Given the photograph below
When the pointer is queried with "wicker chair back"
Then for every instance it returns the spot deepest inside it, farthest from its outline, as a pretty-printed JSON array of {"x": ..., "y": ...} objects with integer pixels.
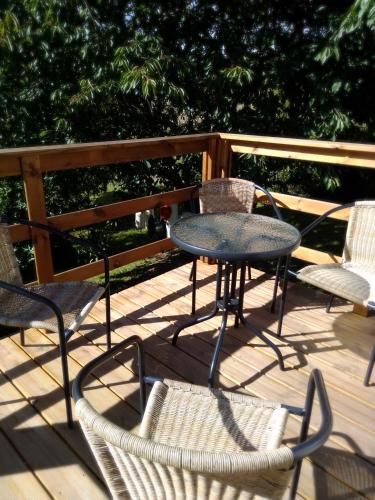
[
  {"x": 359, "y": 246},
  {"x": 9, "y": 269},
  {"x": 227, "y": 195}
]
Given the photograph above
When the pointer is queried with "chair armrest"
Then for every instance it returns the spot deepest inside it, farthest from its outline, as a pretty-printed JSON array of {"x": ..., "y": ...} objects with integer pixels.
[
  {"x": 100, "y": 360},
  {"x": 37, "y": 298},
  {"x": 314, "y": 442},
  {"x": 66, "y": 236},
  {"x": 271, "y": 200},
  {"x": 312, "y": 226},
  {"x": 317, "y": 221}
]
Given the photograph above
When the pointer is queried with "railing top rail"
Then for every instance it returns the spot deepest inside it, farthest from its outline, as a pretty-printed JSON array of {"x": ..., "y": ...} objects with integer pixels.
[
  {"x": 308, "y": 143},
  {"x": 86, "y": 146},
  {"x": 40, "y": 150}
]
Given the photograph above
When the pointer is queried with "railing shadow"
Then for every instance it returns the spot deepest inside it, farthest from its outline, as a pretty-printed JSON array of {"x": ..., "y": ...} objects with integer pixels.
[{"x": 167, "y": 364}]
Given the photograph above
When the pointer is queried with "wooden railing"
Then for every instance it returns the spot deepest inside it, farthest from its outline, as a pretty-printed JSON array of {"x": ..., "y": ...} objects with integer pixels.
[
  {"x": 217, "y": 150},
  {"x": 338, "y": 153}
]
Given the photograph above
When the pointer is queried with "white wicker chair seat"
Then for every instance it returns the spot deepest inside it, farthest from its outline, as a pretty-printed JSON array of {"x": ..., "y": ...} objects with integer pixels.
[{"x": 349, "y": 281}]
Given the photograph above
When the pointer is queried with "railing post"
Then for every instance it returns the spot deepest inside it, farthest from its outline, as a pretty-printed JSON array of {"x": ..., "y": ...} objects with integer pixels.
[
  {"x": 36, "y": 209},
  {"x": 209, "y": 160},
  {"x": 224, "y": 158},
  {"x": 217, "y": 159}
]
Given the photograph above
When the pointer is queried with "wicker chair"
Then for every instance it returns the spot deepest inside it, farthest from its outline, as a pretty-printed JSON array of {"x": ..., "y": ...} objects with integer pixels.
[
  {"x": 354, "y": 278},
  {"x": 58, "y": 307},
  {"x": 196, "y": 442},
  {"x": 231, "y": 195}
]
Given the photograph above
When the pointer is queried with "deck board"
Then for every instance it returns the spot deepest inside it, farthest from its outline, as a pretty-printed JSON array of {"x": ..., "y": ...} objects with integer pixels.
[{"x": 32, "y": 409}]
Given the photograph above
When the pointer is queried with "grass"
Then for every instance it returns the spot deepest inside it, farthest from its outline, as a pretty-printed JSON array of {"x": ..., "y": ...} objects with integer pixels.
[{"x": 145, "y": 269}]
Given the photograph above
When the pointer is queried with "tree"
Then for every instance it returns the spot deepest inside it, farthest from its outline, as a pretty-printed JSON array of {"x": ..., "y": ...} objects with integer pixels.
[{"x": 104, "y": 70}]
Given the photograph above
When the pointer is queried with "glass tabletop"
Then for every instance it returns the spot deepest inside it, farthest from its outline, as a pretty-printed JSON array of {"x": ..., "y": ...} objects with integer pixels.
[{"x": 235, "y": 236}]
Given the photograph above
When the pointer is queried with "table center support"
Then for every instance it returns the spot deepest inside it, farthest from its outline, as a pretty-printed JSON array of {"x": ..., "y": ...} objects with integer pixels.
[{"x": 227, "y": 302}]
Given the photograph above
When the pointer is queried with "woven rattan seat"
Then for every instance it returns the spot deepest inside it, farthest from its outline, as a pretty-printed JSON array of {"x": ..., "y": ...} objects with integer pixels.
[
  {"x": 196, "y": 442},
  {"x": 58, "y": 307},
  {"x": 75, "y": 299},
  {"x": 351, "y": 282}
]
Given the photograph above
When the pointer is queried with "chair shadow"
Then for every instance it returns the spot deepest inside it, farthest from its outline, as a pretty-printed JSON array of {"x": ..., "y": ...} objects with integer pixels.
[
  {"x": 354, "y": 471},
  {"x": 167, "y": 363}
]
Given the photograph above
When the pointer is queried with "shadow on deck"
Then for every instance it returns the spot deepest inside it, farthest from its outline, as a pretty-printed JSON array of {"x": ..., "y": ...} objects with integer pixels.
[{"x": 40, "y": 457}]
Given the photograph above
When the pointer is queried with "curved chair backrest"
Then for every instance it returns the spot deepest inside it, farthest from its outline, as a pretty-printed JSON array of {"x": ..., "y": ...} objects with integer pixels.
[
  {"x": 176, "y": 455},
  {"x": 227, "y": 195},
  {"x": 360, "y": 235},
  {"x": 9, "y": 269}
]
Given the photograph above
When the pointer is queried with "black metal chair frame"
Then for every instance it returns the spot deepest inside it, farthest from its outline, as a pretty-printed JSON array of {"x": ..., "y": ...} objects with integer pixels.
[
  {"x": 64, "y": 333},
  {"x": 288, "y": 272},
  {"x": 193, "y": 272},
  {"x": 306, "y": 445}
]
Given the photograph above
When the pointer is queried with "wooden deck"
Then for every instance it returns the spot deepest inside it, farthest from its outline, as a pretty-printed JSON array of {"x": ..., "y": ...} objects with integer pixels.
[{"x": 41, "y": 458}]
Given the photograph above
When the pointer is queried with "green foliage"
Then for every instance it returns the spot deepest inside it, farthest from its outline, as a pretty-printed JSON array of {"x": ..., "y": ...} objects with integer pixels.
[{"x": 105, "y": 70}]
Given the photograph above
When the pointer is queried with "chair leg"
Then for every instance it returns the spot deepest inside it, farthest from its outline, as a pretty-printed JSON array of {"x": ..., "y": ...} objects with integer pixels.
[
  {"x": 233, "y": 291},
  {"x": 22, "y": 336},
  {"x": 193, "y": 278},
  {"x": 370, "y": 367},
  {"x": 283, "y": 297},
  {"x": 329, "y": 303},
  {"x": 191, "y": 275},
  {"x": 219, "y": 341},
  {"x": 108, "y": 316},
  {"x": 249, "y": 270},
  {"x": 276, "y": 285},
  {"x": 65, "y": 372}
]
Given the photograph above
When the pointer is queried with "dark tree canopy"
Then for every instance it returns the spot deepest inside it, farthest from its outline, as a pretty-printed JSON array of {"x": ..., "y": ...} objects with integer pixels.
[{"x": 104, "y": 70}]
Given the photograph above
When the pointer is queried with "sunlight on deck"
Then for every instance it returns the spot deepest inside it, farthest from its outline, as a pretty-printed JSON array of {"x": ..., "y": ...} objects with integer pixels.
[{"x": 42, "y": 458}]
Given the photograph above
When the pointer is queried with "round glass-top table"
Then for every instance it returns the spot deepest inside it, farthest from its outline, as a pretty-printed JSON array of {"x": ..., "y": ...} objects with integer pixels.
[
  {"x": 235, "y": 236},
  {"x": 234, "y": 239}
]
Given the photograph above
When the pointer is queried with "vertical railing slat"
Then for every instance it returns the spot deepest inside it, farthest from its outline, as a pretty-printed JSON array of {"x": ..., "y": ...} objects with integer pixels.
[{"x": 36, "y": 208}]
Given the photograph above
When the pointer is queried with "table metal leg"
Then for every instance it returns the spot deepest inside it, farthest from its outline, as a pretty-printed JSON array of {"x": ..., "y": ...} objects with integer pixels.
[
  {"x": 195, "y": 321},
  {"x": 228, "y": 303},
  {"x": 233, "y": 290},
  {"x": 219, "y": 341},
  {"x": 251, "y": 327},
  {"x": 283, "y": 297}
]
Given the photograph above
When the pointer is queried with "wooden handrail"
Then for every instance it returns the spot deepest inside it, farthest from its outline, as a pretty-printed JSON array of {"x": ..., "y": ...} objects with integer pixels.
[
  {"x": 71, "y": 156},
  {"x": 217, "y": 150},
  {"x": 338, "y": 153}
]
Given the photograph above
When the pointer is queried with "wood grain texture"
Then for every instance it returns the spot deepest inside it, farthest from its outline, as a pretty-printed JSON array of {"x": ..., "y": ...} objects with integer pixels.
[
  {"x": 33, "y": 413},
  {"x": 120, "y": 209},
  {"x": 291, "y": 141},
  {"x": 68, "y": 156},
  {"x": 36, "y": 209},
  {"x": 337, "y": 156}
]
